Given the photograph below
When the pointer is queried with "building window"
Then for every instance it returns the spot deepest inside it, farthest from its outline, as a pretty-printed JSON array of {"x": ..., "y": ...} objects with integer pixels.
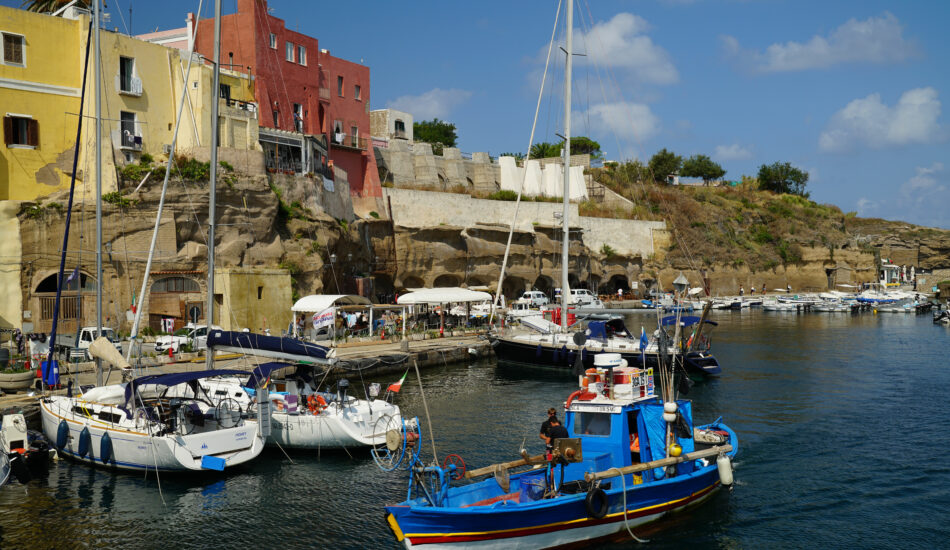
[
  {"x": 356, "y": 92},
  {"x": 301, "y": 55},
  {"x": 355, "y": 136},
  {"x": 126, "y": 68},
  {"x": 276, "y": 119},
  {"x": 273, "y": 41},
  {"x": 175, "y": 284},
  {"x": 400, "y": 128},
  {"x": 290, "y": 52},
  {"x": 224, "y": 92},
  {"x": 298, "y": 117},
  {"x": 127, "y": 128},
  {"x": 339, "y": 86},
  {"x": 20, "y": 131},
  {"x": 338, "y": 134},
  {"x": 13, "y": 49}
]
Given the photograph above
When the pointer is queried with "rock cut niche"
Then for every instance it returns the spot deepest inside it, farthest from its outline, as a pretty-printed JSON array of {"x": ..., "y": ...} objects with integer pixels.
[
  {"x": 412, "y": 281},
  {"x": 545, "y": 284},
  {"x": 616, "y": 282},
  {"x": 446, "y": 281}
]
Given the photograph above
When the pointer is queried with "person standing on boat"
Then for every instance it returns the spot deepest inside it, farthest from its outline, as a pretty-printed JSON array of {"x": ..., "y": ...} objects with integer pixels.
[
  {"x": 546, "y": 426},
  {"x": 555, "y": 431}
]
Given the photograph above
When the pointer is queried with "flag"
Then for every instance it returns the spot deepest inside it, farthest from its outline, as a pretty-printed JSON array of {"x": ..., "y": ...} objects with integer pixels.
[
  {"x": 643, "y": 347},
  {"x": 323, "y": 318},
  {"x": 72, "y": 275},
  {"x": 396, "y": 386}
]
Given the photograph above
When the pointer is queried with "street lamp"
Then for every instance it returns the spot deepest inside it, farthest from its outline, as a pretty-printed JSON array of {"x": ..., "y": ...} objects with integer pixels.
[{"x": 680, "y": 284}]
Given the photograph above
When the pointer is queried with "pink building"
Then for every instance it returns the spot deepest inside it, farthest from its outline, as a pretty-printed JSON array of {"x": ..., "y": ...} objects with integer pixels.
[{"x": 300, "y": 89}]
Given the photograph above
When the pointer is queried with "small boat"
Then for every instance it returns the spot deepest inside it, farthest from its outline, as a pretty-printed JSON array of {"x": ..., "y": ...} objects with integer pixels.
[
  {"x": 159, "y": 422},
  {"x": 302, "y": 417},
  {"x": 629, "y": 458},
  {"x": 942, "y": 317},
  {"x": 24, "y": 453}
]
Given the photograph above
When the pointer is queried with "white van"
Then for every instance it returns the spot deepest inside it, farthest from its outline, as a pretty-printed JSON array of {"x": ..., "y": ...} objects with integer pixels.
[
  {"x": 534, "y": 298},
  {"x": 579, "y": 296}
]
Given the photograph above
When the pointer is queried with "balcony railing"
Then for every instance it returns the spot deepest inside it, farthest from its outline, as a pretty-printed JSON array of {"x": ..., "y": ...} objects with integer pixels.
[
  {"x": 324, "y": 94},
  {"x": 132, "y": 86},
  {"x": 349, "y": 141},
  {"x": 248, "y": 106}
]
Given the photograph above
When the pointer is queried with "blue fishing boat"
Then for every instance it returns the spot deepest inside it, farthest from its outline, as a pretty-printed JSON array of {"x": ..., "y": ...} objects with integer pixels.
[{"x": 629, "y": 458}]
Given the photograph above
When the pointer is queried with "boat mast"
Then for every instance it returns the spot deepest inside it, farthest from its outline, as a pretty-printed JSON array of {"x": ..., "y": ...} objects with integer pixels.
[
  {"x": 565, "y": 245},
  {"x": 98, "y": 85},
  {"x": 209, "y": 314}
]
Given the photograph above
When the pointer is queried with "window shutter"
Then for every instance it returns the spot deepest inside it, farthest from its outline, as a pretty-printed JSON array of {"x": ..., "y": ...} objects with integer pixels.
[
  {"x": 33, "y": 133},
  {"x": 7, "y": 130}
]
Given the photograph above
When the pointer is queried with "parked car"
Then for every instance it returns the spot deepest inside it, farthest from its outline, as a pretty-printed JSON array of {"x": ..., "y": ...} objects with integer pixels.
[
  {"x": 79, "y": 347},
  {"x": 194, "y": 335},
  {"x": 534, "y": 298}
]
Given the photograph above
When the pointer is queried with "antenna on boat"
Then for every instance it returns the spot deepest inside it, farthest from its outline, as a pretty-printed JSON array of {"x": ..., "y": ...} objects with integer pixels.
[{"x": 209, "y": 314}]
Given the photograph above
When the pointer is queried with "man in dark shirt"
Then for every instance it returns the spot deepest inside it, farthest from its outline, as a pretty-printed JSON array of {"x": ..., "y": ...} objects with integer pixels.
[
  {"x": 546, "y": 425},
  {"x": 556, "y": 431}
]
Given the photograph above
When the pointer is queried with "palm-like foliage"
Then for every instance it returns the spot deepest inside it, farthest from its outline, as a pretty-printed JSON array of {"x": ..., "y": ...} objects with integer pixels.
[{"x": 49, "y": 6}]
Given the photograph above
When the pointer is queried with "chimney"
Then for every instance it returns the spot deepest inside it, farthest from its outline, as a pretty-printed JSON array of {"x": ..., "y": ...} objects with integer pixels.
[{"x": 190, "y": 24}]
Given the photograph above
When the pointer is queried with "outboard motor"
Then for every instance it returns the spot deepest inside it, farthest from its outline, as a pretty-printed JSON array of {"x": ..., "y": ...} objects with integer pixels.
[{"x": 341, "y": 386}]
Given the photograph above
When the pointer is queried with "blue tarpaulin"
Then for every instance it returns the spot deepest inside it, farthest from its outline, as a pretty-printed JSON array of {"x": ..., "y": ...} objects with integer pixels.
[{"x": 652, "y": 417}]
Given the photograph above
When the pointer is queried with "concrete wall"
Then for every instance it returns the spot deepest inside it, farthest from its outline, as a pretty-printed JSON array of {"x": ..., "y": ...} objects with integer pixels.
[
  {"x": 11, "y": 254},
  {"x": 414, "y": 165},
  {"x": 427, "y": 209},
  {"x": 253, "y": 298}
]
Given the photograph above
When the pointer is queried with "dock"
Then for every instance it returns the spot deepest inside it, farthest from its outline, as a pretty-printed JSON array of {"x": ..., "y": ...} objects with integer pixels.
[{"x": 371, "y": 359}]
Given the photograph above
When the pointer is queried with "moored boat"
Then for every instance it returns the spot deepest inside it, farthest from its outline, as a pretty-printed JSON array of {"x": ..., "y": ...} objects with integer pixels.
[{"x": 628, "y": 459}]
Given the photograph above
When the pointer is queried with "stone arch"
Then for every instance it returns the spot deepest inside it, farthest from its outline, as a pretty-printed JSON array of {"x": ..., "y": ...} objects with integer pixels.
[
  {"x": 513, "y": 287},
  {"x": 412, "y": 281},
  {"x": 476, "y": 280},
  {"x": 49, "y": 283},
  {"x": 574, "y": 280},
  {"x": 617, "y": 282},
  {"x": 545, "y": 284},
  {"x": 446, "y": 280}
]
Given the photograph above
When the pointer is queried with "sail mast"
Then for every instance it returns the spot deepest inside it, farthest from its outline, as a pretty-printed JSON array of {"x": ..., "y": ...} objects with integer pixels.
[
  {"x": 209, "y": 314},
  {"x": 98, "y": 86},
  {"x": 565, "y": 245}
]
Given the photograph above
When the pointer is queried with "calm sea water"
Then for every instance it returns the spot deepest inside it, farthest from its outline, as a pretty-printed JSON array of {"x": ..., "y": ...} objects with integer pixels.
[{"x": 842, "y": 425}]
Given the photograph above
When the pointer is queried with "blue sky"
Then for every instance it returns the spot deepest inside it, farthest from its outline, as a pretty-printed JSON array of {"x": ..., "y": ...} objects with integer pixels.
[{"x": 851, "y": 92}]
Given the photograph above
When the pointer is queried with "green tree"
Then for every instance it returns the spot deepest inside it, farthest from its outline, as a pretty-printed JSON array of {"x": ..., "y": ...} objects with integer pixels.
[
  {"x": 782, "y": 177},
  {"x": 436, "y": 132},
  {"x": 581, "y": 145},
  {"x": 701, "y": 166},
  {"x": 518, "y": 156},
  {"x": 665, "y": 163},
  {"x": 545, "y": 150}
]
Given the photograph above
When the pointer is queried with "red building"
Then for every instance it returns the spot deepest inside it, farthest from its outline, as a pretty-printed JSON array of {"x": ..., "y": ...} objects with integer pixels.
[{"x": 300, "y": 88}]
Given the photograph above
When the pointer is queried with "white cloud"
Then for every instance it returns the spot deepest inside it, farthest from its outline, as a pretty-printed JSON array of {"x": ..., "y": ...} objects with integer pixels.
[
  {"x": 867, "y": 121},
  {"x": 732, "y": 152},
  {"x": 436, "y": 103},
  {"x": 625, "y": 120},
  {"x": 872, "y": 40},
  {"x": 867, "y": 207},
  {"x": 924, "y": 182},
  {"x": 622, "y": 43}
]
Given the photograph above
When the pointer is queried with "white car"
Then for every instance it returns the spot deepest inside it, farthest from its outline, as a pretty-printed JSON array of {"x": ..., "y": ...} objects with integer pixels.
[
  {"x": 534, "y": 298},
  {"x": 196, "y": 335}
]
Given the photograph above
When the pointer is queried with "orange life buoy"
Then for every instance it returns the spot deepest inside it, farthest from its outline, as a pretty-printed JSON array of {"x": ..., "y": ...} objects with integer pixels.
[{"x": 316, "y": 403}]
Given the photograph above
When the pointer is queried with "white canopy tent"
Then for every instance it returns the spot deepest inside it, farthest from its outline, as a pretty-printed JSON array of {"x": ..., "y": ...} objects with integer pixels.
[
  {"x": 319, "y": 302},
  {"x": 443, "y": 296}
]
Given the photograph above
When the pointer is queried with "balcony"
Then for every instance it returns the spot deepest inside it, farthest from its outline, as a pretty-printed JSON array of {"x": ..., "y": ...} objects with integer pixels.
[
  {"x": 248, "y": 106},
  {"x": 325, "y": 95},
  {"x": 131, "y": 86},
  {"x": 346, "y": 141}
]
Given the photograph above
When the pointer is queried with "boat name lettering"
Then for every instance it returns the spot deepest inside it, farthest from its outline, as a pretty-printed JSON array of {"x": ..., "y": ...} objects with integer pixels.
[{"x": 595, "y": 407}]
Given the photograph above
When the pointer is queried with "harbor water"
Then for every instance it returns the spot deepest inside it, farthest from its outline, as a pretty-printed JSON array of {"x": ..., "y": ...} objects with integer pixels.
[{"x": 841, "y": 422}]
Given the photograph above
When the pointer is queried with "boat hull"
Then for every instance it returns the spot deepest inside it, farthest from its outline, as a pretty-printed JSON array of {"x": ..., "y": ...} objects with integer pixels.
[
  {"x": 564, "y": 359},
  {"x": 548, "y": 523},
  {"x": 138, "y": 451},
  {"x": 355, "y": 426}
]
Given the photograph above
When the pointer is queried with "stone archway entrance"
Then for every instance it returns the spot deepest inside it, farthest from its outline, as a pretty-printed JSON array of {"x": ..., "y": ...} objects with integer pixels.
[
  {"x": 545, "y": 284},
  {"x": 77, "y": 306},
  {"x": 446, "y": 280}
]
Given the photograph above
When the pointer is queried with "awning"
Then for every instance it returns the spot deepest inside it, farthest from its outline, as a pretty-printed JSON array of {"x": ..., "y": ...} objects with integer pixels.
[
  {"x": 443, "y": 296},
  {"x": 319, "y": 302}
]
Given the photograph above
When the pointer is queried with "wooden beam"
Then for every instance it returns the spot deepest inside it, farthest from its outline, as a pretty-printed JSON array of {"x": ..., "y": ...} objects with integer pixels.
[
  {"x": 538, "y": 459},
  {"x": 614, "y": 472}
]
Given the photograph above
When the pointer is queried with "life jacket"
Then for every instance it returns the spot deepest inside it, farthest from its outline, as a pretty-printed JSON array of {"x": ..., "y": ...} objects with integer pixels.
[{"x": 635, "y": 443}]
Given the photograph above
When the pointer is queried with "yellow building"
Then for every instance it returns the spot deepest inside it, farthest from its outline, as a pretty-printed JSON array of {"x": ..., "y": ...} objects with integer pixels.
[
  {"x": 40, "y": 86},
  {"x": 40, "y": 81}
]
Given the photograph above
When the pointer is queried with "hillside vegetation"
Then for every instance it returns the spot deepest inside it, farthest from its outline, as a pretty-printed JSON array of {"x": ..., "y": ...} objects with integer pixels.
[{"x": 727, "y": 225}]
